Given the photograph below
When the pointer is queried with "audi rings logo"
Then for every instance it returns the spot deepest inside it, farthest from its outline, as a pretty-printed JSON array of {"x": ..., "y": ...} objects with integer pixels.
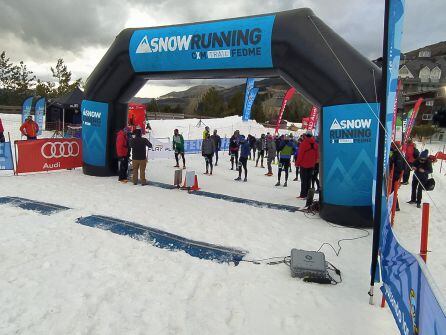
[{"x": 60, "y": 149}]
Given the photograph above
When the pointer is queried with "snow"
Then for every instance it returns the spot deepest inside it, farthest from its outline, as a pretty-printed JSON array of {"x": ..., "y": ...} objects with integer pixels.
[{"x": 59, "y": 277}]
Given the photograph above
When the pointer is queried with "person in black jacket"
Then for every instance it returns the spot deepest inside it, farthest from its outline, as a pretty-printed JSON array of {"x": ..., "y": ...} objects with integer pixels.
[
  {"x": 217, "y": 141},
  {"x": 234, "y": 144},
  {"x": 252, "y": 145},
  {"x": 396, "y": 163},
  {"x": 421, "y": 167},
  {"x": 139, "y": 156}
]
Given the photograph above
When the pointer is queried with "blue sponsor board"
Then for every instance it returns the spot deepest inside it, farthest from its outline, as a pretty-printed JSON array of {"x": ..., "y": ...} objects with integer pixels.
[
  {"x": 26, "y": 108},
  {"x": 229, "y": 44},
  {"x": 39, "y": 112},
  {"x": 408, "y": 288},
  {"x": 194, "y": 146},
  {"x": 94, "y": 132},
  {"x": 6, "y": 162},
  {"x": 349, "y": 153}
]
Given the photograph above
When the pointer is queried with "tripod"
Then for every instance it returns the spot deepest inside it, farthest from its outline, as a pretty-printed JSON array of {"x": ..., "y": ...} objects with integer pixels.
[{"x": 200, "y": 124}]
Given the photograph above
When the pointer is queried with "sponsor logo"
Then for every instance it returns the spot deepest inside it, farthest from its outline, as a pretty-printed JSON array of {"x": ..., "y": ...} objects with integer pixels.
[
  {"x": 224, "y": 44},
  {"x": 91, "y": 118},
  {"x": 60, "y": 150},
  {"x": 351, "y": 131},
  {"x": 47, "y": 166}
]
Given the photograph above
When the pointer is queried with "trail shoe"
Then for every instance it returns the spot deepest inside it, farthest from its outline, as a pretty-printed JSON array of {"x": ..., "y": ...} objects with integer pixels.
[
  {"x": 245, "y": 180},
  {"x": 412, "y": 202},
  {"x": 285, "y": 184},
  {"x": 418, "y": 205},
  {"x": 184, "y": 167},
  {"x": 295, "y": 179},
  {"x": 238, "y": 179},
  {"x": 176, "y": 166},
  {"x": 278, "y": 183}
]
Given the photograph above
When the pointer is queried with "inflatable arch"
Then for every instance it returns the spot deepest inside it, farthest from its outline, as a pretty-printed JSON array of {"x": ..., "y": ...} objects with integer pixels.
[{"x": 294, "y": 45}]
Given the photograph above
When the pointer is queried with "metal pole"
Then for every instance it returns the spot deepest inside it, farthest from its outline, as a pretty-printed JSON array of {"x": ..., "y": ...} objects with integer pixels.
[
  {"x": 380, "y": 160},
  {"x": 63, "y": 122}
]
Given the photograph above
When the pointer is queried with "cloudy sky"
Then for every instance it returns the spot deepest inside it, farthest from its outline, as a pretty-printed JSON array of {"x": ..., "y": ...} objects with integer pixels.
[{"x": 80, "y": 31}]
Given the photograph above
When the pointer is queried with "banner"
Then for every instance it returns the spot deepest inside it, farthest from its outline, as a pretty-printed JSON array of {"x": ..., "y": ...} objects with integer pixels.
[
  {"x": 39, "y": 112},
  {"x": 160, "y": 149},
  {"x": 194, "y": 146},
  {"x": 94, "y": 132},
  {"x": 348, "y": 148},
  {"x": 48, "y": 154},
  {"x": 235, "y": 43},
  {"x": 395, "y": 110},
  {"x": 26, "y": 108},
  {"x": 251, "y": 97},
  {"x": 6, "y": 161},
  {"x": 314, "y": 115},
  {"x": 288, "y": 95},
  {"x": 137, "y": 116},
  {"x": 249, "y": 86},
  {"x": 411, "y": 121},
  {"x": 408, "y": 288}
]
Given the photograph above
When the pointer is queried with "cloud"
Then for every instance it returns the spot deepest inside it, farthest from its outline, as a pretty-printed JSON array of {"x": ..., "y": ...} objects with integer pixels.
[{"x": 40, "y": 32}]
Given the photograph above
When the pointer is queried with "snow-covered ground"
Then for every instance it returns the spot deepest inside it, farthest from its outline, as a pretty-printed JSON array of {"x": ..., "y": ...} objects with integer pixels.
[{"x": 59, "y": 277}]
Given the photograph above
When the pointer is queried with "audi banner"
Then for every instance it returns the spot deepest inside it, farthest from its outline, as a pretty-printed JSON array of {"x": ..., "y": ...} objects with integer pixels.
[{"x": 48, "y": 154}]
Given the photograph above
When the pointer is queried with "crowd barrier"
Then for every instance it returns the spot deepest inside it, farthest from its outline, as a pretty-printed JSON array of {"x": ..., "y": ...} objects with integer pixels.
[{"x": 194, "y": 146}]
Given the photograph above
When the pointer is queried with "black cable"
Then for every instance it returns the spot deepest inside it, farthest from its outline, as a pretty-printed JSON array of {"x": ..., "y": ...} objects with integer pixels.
[{"x": 344, "y": 239}]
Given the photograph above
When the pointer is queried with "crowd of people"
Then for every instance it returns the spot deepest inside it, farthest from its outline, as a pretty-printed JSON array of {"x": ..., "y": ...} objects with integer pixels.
[{"x": 283, "y": 150}]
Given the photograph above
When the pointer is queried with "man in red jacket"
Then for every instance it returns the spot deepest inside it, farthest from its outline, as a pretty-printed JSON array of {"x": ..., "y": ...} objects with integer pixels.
[
  {"x": 29, "y": 128},
  {"x": 2, "y": 137},
  {"x": 307, "y": 158},
  {"x": 122, "y": 151},
  {"x": 411, "y": 155}
]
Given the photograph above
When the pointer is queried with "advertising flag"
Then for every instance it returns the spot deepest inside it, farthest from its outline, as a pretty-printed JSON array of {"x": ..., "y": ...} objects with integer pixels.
[
  {"x": 39, "y": 112},
  {"x": 26, "y": 108},
  {"x": 288, "y": 95},
  {"x": 249, "y": 86},
  {"x": 314, "y": 115},
  {"x": 251, "y": 97},
  {"x": 413, "y": 117}
]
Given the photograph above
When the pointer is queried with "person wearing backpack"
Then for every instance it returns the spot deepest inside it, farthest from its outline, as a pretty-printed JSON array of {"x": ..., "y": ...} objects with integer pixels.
[
  {"x": 306, "y": 160},
  {"x": 422, "y": 167}
]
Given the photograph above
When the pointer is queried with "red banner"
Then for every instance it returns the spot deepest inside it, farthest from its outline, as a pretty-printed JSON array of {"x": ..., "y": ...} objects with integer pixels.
[
  {"x": 440, "y": 155},
  {"x": 412, "y": 119},
  {"x": 288, "y": 95},
  {"x": 48, "y": 154},
  {"x": 137, "y": 116},
  {"x": 312, "y": 120}
]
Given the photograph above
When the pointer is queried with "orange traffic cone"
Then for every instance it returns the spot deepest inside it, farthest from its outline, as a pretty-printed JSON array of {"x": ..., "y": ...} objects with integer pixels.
[{"x": 195, "y": 187}]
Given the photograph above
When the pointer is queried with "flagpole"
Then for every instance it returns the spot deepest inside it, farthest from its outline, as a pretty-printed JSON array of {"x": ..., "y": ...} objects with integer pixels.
[{"x": 380, "y": 157}]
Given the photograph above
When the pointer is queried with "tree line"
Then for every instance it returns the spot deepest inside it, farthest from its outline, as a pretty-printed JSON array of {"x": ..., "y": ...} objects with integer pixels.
[
  {"x": 212, "y": 104},
  {"x": 17, "y": 82}
]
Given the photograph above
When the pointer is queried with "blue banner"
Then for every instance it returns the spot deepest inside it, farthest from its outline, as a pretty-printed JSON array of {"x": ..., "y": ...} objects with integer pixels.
[
  {"x": 228, "y": 44},
  {"x": 248, "y": 88},
  {"x": 94, "y": 132},
  {"x": 194, "y": 146},
  {"x": 349, "y": 134},
  {"x": 249, "y": 101},
  {"x": 408, "y": 288},
  {"x": 26, "y": 108},
  {"x": 39, "y": 112},
  {"x": 6, "y": 161}
]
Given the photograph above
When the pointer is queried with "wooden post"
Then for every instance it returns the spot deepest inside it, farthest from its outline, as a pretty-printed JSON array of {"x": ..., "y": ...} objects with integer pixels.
[{"x": 424, "y": 231}]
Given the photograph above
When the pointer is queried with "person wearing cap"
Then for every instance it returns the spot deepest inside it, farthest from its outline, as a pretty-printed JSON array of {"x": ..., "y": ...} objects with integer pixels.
[
  {"x": 206, "y": 132},
  {"x": 411, "y": 155},
  {"x": 245, "y": 149},
  {"x": 178, "y": 147},
  {"x": 122, "y": 151},
  {"x": 422, "y": 166},
  {"x": 271, "y": 153},
  {"x": 286, "y": 150},
  {"x": 139, "y": 156},
  {"x": 261, "y": 148},
  {"x": 29, "y": 128},
  {"x": 306, "y": 160},
  {"x": 207, "y": 151}
]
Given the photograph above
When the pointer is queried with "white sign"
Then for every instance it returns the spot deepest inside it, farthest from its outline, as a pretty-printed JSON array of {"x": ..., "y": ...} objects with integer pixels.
[{"x": 161, "y": 149}]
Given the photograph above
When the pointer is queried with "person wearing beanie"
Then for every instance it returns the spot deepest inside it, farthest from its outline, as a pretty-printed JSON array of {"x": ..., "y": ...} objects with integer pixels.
[
  {"x": 207, "y": 151},
  {"x": 245, "y": 149},
  {"x": 306, "y": 160},
  {"x": 139, "y": 156},
  {"x": 422, "y": 167},
  {"x": 178, "y": 146},
  {"x": 411, "y": 154}
]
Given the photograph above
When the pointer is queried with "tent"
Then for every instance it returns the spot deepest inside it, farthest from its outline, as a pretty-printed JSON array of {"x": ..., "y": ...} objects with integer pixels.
[{"x": 64, "y": 110}]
